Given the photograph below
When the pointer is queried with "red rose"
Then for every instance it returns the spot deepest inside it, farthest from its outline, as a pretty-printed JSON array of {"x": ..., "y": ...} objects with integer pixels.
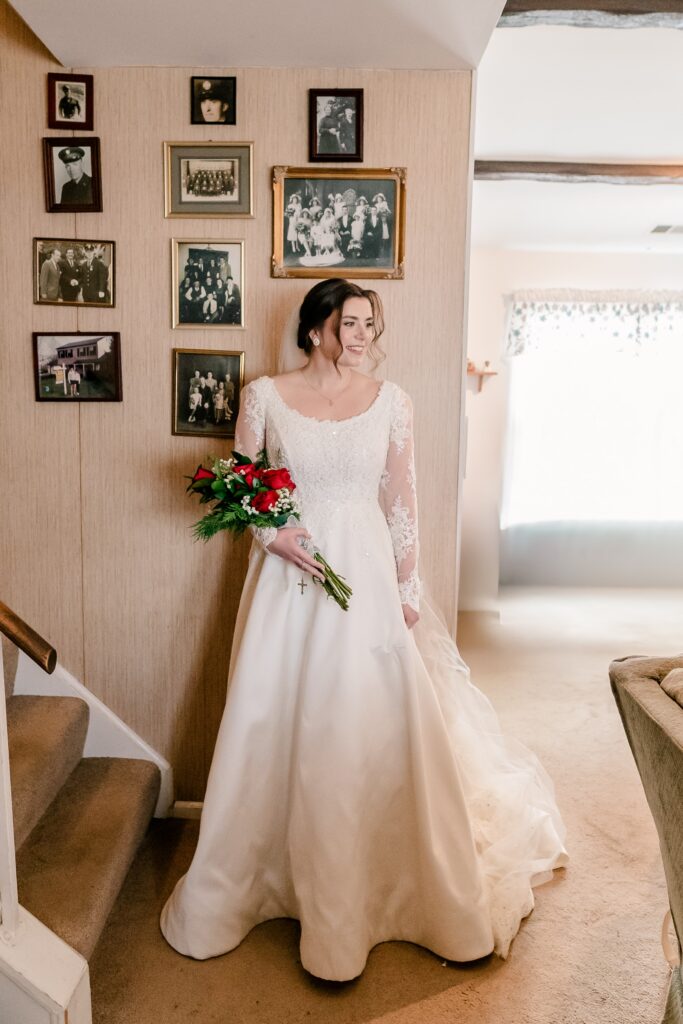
[
  {"x": 249, "y": 472},
  {"x": 264, "y": 500},
  {"x": 203, "y": 474},
  {"x": 276, "y": 478}
]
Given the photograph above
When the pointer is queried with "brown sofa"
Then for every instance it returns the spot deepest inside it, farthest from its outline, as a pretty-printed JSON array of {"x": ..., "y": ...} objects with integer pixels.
[{"x": 650, "y": 702}]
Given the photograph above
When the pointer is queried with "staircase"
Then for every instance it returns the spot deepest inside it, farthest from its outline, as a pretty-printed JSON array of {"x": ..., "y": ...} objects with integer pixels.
[{"x": 78, "y": 820}]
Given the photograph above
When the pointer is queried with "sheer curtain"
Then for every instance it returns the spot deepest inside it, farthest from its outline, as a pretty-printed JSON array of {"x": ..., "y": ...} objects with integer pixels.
[{"x": 594, "y": 463}]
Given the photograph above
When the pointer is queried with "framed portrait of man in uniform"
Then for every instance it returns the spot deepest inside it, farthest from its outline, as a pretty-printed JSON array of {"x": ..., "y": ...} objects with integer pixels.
[
  {"x": 73, "y": 179},
  {"x": 70, "y": 101},
  {"x": 213, "y": 100}
]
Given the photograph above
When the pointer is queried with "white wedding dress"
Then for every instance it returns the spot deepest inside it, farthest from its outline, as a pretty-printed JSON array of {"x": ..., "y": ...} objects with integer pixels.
[{"x": 360, "y": 782}]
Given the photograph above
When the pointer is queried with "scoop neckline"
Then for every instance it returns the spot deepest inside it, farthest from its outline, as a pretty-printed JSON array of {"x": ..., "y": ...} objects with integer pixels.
[{"x": 314, "y": 419}]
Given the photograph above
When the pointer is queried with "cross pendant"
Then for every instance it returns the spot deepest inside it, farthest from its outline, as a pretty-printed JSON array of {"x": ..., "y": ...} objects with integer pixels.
[{"x": 302, "y": 584}]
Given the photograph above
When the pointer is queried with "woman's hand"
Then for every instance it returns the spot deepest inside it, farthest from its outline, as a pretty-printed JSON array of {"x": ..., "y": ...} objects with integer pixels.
[
  {"x": 287, "y": 546},
  {"x": 410, "y": 615}
]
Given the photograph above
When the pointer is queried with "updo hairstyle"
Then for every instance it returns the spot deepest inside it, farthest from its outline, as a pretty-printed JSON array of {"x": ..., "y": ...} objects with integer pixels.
[{"x": 326, "y": 299}]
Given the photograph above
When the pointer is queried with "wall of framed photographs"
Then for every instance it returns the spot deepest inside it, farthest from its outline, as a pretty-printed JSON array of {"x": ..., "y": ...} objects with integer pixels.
[{"x": 95, "y": 547}]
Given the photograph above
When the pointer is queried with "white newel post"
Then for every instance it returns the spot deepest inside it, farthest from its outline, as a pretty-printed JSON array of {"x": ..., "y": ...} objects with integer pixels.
[{"x": 9, "y": 899}]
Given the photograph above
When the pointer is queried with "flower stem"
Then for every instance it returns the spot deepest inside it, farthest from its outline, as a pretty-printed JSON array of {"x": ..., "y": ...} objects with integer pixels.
[{"x": 334, "y": 586}]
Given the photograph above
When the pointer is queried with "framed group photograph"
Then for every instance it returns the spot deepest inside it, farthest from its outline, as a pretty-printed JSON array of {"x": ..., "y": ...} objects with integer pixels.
[
  {"x": 338, "y": 223},
  {"x": 73, "y": 179},
  {"x": 208, "y": 179},
  {"x": 207, "y": 280},
  {"x": 73, "y": 272},
  {"x": 335, "y": 125},
  {"x": 213, "y": 100},
  {"x": 206, "y": 391},
  {"x": 77, "y": 367},
  {"x": 70, "y": 101}
]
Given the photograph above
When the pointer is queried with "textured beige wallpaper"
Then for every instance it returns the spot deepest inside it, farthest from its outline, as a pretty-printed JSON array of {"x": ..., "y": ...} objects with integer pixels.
[{"x": 95, "y": 550}]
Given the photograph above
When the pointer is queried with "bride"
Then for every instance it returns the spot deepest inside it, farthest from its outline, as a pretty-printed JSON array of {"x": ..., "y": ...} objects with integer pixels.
[{"x": 360, "y": 782}]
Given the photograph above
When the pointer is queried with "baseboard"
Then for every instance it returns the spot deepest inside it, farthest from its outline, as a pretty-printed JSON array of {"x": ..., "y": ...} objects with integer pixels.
[{"x": 189, "y": 809}]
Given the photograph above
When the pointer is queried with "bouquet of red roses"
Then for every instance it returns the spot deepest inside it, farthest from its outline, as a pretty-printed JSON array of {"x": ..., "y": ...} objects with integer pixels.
[{"x": 245, "y": 493}]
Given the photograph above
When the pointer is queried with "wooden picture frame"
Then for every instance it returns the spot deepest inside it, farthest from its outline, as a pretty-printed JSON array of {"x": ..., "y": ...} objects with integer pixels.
[
  {"x": 70, "y": 100},
  {"x": 77, "y": 366},
  {"x": 221, "y": 93},
  {"x": 313, "y": 236},
  {"x": 73, "y": 178},
  {"x": 88, "y": 278},
  {"x": 335, "y": 125},
  {"x": 203, "y": 261},
  {"x": 208, "y": 179},
  {"x": 197, "y": 410}
]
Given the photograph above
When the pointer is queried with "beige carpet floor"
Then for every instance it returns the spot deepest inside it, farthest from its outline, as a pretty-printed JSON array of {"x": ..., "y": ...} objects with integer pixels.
[{"x": 588, "y": 954}]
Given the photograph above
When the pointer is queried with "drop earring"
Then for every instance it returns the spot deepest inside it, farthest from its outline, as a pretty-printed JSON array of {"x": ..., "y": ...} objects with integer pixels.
[{"x": 316, "y": 340}]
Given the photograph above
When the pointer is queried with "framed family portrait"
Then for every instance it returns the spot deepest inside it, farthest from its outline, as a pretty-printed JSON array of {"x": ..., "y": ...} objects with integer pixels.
[
  {"x": 213, "y": 100},
  {"x": 70, "y": 101},
  {"x": 335, "y": 125},
  {"x": 77, "y": 367},
  {"x": 338, "y": 223},
  {"x": 73, "y": 272},
  {"x": 207, "y": 283},
  {"x": 208, "y": 179},
  {"x": 73, "y": 179},
  {"x": 206, "y": 391}
]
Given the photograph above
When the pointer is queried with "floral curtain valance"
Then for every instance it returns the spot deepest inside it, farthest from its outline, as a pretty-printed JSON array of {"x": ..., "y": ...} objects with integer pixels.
[{"x": 625, "y": 320}]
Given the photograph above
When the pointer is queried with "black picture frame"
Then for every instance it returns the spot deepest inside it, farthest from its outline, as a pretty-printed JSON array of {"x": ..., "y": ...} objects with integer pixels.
[
  {"x": 332, "y": 137},
  {"x": 77, "y": 366},
  {"x": 56, "y": 286},
  {"x": 64, "y": 191},
  {"x": 220, "y": 91},
  {"x": 201, "y": 416},
  {"x": 70, "y": 101}
]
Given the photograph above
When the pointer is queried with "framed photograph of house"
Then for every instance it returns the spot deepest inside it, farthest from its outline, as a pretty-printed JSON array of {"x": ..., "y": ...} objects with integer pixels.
[
  {"x": 73, "y": 180},
  {"x": 208, "y": 179},
  {"x": 207, "y": 282},
  {"x": 213, "y": 100},
  {"x": 335, "y": 125},
  {"x": 75, "y": 366},
  {"x": 70, "y": 101},
  {"x": 73, "y": 272},
  {"x": 206, "y": 391},
  {"x": 338, "y": 223}
]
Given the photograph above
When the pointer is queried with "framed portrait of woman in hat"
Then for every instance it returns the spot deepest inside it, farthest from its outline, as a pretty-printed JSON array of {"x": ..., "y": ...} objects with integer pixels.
[
  {"x": 213, "y": 100},
  {"x": 73, "y": 179}
]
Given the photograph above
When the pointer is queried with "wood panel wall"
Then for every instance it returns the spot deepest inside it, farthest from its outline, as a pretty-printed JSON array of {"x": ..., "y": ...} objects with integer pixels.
[{"x": 95, "y": 549}]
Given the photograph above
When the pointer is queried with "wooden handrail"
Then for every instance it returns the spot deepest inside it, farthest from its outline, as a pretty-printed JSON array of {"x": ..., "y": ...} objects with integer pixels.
[{"x": 30, "y": 642}]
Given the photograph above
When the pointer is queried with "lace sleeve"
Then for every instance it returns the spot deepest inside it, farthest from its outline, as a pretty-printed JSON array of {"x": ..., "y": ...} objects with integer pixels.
[
  {"x": 250, "y": 438},
  {"x": 398, "y": 497}
]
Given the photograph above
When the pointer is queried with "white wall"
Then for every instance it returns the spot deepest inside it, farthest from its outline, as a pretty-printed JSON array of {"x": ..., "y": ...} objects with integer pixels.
[{"x": 493, "y": 274}]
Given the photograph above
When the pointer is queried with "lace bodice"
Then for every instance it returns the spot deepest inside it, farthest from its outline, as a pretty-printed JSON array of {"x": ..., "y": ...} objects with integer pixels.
[{"x": 363, "y": 460}]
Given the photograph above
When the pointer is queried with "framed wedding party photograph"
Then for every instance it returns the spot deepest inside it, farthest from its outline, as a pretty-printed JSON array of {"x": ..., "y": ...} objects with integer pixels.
[
  {"x": 73, "y": 180},
  {"x": 208, "y": 179},
  {"x": 206, "y": 391},
  {"x": 207, "y": 280},
  {"x": 70, "y": 101},
  {"x": 75, "y": 366},
  {"x": 335, "y": 125},
  {"x": 212, "y": 100},
  {"x": 338, "y": 222},
  {"x": 73, "y": 272}
]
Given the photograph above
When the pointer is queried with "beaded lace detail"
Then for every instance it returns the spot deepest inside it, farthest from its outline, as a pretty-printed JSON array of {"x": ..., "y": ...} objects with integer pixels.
[{"x": 342, "y": 465}]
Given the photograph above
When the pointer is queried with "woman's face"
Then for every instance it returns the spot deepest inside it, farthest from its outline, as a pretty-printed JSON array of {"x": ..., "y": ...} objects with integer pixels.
[{"x": 356, "y": 332}]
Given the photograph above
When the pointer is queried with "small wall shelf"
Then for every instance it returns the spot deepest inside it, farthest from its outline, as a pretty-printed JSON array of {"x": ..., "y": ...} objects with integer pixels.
[{"x": 482, "y": 372}]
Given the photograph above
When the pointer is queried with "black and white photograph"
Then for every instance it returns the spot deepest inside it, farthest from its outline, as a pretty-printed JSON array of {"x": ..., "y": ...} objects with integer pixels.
[
  {"x": 77, "y": 367},
  {"x": 72, "y": 174},
  {"x": 73, "y": 272},
  {"x": 206, "y": 391},
  {"x": 338, "y": 223},
  {"x": 70, "y": 101},
  {"x": 335, "y": 125},
  {"x": 213, "y": 100},
  {"x": 208, "y": 283},
  {"x": 208, "y": 179}
]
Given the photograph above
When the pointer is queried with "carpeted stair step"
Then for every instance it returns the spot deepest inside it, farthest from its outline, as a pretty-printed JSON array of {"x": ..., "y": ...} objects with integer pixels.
[
  {"x": 73, "y": 864},
  {"x": 46, "y": 737}
]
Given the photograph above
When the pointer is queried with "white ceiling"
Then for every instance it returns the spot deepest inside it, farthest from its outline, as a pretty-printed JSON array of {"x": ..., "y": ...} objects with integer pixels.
[
  {"x": 263, "y": 33},
  {"x": 549, "y": 93}
]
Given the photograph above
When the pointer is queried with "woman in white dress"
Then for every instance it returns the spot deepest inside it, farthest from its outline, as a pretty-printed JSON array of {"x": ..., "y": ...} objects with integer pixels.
[{"x": 360, "y": 783}]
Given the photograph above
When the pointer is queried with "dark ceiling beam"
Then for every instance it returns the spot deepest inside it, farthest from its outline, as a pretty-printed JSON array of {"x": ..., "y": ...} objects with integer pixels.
[
  {"x": 554, "y": 170},
  {"x": 620, "y": 7}
]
